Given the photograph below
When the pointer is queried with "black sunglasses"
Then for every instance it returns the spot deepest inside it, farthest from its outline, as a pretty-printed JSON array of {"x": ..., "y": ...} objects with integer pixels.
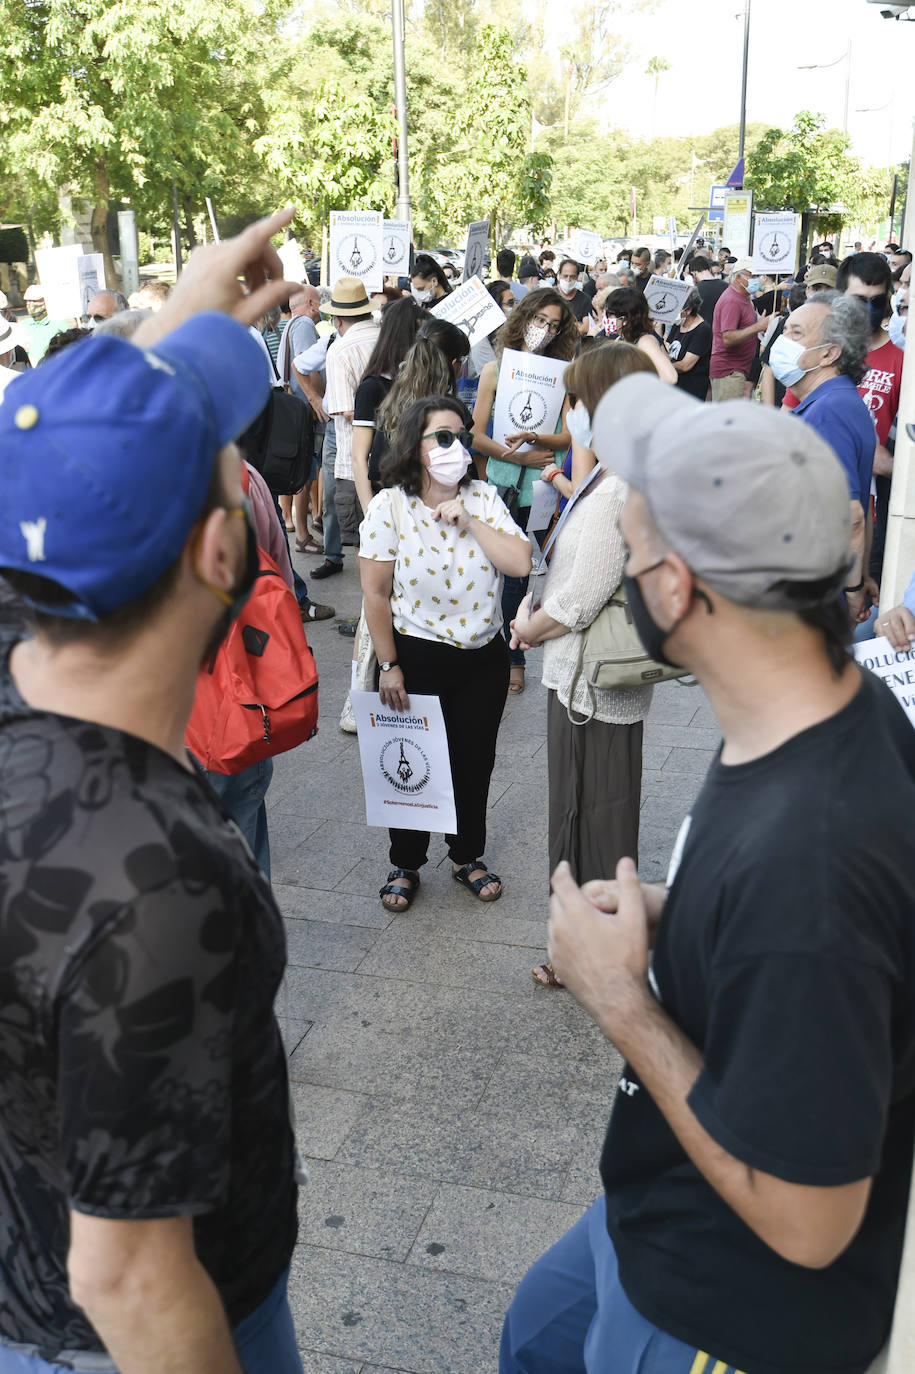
[{"x": 446, "y": 437}]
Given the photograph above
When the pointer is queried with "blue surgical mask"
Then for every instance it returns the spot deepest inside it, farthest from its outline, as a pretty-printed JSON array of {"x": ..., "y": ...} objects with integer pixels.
[
  {"x": 783, "y": 360},
  {"x": 753, "y": 285},
  {"x": 578, "y": 423}
]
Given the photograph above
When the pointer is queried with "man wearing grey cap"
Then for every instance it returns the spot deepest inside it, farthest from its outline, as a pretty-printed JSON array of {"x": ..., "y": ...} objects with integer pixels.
[{"x": 756, "y": 1165}]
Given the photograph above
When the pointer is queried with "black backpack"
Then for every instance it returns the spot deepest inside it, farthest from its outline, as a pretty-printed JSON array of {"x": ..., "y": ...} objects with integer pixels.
[{"x": 280, "y": 443}]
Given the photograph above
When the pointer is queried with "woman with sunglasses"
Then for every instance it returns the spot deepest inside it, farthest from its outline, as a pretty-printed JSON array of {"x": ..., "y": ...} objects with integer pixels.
[
  {"x": 541, "y": 322},
  {"x": 434, "y": 545},
  {"x": 629, "y": 308}
]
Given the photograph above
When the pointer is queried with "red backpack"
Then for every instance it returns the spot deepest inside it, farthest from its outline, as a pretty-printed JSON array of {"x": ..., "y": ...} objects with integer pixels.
[{"x": 259, "y": 694}]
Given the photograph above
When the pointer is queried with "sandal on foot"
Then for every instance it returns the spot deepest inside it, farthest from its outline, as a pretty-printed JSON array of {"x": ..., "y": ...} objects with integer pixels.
[
  {"x": 393, "y": 889},
  {"x": 308, "y": 546},
  {"x": 516, "y": 679},
  {"x": 476, "y": 885},
  {"x": 545, "y": 975}
]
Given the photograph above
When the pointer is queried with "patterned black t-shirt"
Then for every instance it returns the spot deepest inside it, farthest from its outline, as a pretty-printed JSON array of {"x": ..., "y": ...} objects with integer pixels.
[{"x": 142, "y": 1072}]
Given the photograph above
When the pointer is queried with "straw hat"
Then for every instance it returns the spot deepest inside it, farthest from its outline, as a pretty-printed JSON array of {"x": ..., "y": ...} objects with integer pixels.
[{"x": 349, "y": 298}]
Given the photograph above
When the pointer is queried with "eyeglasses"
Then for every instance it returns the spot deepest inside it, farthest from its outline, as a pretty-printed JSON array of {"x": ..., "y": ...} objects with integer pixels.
[
  {"x": 549, "y": 325},
  {"x": 446, "y": 437}
]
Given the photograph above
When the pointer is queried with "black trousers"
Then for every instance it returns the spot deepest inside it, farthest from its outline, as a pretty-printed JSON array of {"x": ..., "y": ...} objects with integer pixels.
[{"x": 472, "y": 685}]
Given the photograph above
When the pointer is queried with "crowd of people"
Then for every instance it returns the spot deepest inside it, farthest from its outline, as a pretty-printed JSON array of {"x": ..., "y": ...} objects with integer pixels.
[{"x": 720, "y": 486}]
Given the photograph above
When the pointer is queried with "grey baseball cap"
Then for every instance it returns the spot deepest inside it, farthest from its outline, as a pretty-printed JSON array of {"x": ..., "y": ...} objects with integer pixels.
[{"x": 753, "y": 500}]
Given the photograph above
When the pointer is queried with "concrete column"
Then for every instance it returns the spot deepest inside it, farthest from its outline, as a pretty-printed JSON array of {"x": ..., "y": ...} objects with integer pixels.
[{"x": 899, "y": 555}]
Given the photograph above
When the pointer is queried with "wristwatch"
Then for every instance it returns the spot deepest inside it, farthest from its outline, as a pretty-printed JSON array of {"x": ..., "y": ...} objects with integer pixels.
[{"x": 386, "y": 667}]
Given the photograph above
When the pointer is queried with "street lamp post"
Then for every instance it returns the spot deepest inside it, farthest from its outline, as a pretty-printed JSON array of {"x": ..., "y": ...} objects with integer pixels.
[{"x": 400, "y": 97}]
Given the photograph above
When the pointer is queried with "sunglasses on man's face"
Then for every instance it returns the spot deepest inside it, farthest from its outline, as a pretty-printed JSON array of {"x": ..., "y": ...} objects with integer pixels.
[{"x": 446, "y": 437}]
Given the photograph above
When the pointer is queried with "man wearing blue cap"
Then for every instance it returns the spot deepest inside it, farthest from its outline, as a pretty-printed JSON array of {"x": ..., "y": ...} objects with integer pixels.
[{"x": 147, "y": 1163}]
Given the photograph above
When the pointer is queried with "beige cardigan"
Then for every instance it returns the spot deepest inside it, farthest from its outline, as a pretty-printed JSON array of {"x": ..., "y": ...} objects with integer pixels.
[{"x": 585, "y": 571}]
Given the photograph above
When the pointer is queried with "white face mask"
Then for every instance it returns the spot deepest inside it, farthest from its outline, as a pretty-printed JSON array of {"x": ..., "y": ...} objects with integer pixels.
[
  {"x": 567, "y": 284},
  {"x": 896, "y": 329},
  {"x": 897, "y": 299},
  {"x": 578, "y": 422},
  {"x": 534, "y": 336},
  {"x": 448, "y": 465},
  {"x": 421, "y": 297}
]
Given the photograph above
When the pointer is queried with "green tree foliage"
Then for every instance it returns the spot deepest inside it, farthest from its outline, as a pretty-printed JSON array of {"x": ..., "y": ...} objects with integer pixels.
[{"x": 809, "y": 168}]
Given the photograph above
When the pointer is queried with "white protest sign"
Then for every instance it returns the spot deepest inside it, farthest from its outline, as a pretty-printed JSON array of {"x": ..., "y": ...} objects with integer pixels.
[
  {"x": 775, "y": 239},
  {"x": 90, "y": 272},
  {"x": 689, "y": 247},
  {"x": 543, "y": 505},
  {"x": 395, "y": 247},
  {"x": 738, "y": 221},
  {"x": 471, "y": 308},
  {"x": 665, "y": 297},
  {"x": 59, "y": 276},
  {"x": 290, "y": 255},
  {"x": 587, "y": 247},
  {"x": 529, "y": 395},
  {"x": 355, "y": 246},
  {"x": 406, "y": 768},
  {"x": 895, "y": 666},
  {"x": 475, "y": 249}
]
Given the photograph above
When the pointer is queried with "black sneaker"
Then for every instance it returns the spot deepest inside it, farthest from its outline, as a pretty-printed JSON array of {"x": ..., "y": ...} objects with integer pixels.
[{"x": 327, "y": 569}]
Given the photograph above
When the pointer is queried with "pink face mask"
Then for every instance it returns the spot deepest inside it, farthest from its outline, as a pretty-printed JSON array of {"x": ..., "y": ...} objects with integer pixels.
[{"x": 448, "y": 465}]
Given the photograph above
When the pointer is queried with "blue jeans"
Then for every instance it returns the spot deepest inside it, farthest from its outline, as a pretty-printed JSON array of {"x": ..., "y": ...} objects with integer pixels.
[
  {"x": 265, "y": 1341},
  {"x": 333, "y": 545},
  {"x": 570, "y": 1315},
  {"x": 243, "y": 795},
  {"x": 298, "y": 583}
]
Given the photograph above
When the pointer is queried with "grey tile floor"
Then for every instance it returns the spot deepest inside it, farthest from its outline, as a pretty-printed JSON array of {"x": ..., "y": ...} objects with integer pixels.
[{"x": 451, "y": 1111}]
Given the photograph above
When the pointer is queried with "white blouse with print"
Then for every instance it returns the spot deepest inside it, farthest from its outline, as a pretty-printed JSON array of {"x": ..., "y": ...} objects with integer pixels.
[{"x": 445, "y": 587}]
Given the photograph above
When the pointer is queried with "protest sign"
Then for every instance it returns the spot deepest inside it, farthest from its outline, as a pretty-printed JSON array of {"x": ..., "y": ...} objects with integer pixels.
[
  {"x": 672, "y": 233},
  {"x": 684, "y": 259},
  {"x": 290, "y": 255},
  {"x": 406, "y": 768},
  {"x": 471, "y": 308},
  {"x": 895, "y": 666},
  {"x": 529, "y": 395},
  {"x": 586, "y": 247},
  {"x": 665, "y": 297},
  {"x": 395, "y": 247},
  {"x": 543, "y": 505},
  {"x": 738, "y": 221},
  {"x": 775, "y": 239},
  {"x": 355, "y": 247},
  {"x": 475, "y": 249},
  {"x": 90, "y": 272},
  {"x": 59, "y": 276}
]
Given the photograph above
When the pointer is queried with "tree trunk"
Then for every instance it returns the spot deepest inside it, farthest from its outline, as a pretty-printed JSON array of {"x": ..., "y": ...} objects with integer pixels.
[
  {"x": 100, "y": 222},
  {"x": 188, "y": 209}
]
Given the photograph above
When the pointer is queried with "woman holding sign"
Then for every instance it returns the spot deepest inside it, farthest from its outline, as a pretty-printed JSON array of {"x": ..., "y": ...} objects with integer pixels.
[
  {"x": 630, "y": 309},
  {"x": 434, "y": 545},
  {"x": 594, "y": 736},
  {"x": 541, "y": 323}
]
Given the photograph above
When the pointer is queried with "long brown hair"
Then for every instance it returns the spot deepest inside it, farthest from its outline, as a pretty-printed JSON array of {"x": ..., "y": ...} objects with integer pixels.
[{"x": 511, "y": 335}]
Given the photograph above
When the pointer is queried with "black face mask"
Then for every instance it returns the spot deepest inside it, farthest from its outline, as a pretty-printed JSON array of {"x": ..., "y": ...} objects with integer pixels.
[
  {"x": 877, "y": 309},
  {"x": 240, "y": 592},
  {"x": 653, "y": 635}
]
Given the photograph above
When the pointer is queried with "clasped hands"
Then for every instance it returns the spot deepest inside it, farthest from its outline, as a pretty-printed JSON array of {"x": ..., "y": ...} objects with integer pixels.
[{"x": 599, "y": 938}]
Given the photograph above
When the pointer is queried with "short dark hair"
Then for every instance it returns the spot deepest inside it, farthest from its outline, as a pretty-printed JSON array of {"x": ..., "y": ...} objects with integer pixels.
[
  {"x": 402, "y": 466},
  {"x": 117, "y": 628},
  {"x": 699, "y": 264},
  {"x": 642, "y": 253},
  {"x": 870, "y": 268},
  {"x": 505, "y": 262},
  {"x": 629, "y": 301},
  {"x": 62, "y": 339},
  {"x": 569, "y": 262},
  {"x": 547, "y": 255},
  {"x": 497, "y": 289}
]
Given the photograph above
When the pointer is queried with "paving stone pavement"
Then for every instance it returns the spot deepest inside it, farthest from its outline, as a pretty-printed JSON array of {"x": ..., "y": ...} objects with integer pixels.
[{"x": 451, "y": 1111}]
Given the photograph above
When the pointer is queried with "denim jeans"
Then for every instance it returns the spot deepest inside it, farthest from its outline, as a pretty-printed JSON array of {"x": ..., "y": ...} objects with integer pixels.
[
  {"x": 265, "y": 1341},
  {"x": 333, "y": 545},
  {"x": 243, "y": 795},
  {"x": 570, "y": 1315},
  {"x": 299, "y": 585}
]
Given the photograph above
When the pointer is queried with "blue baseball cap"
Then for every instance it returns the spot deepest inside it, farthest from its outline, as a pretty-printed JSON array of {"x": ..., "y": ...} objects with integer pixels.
[{"x": 107, "y": 451}]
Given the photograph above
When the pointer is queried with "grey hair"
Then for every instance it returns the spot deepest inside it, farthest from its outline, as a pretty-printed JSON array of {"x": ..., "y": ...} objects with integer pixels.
[
  {"x": 847, "y": 324},
  {"x": 693, "y": 303},
  {"x": 124, "y": 324},
  {"x": 326, "y": 294}
]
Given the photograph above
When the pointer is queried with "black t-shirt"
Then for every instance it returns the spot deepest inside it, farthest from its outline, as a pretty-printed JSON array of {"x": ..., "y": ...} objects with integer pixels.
[
  {"x": 697, "y": 340},
  {"x": 579, "y": 304},
  {"x": 142, "y": 1072},
  {"x": 786, "y": 953},
  {"x": 710, "y": 290},
  {"x": 370, "y": 393}
]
